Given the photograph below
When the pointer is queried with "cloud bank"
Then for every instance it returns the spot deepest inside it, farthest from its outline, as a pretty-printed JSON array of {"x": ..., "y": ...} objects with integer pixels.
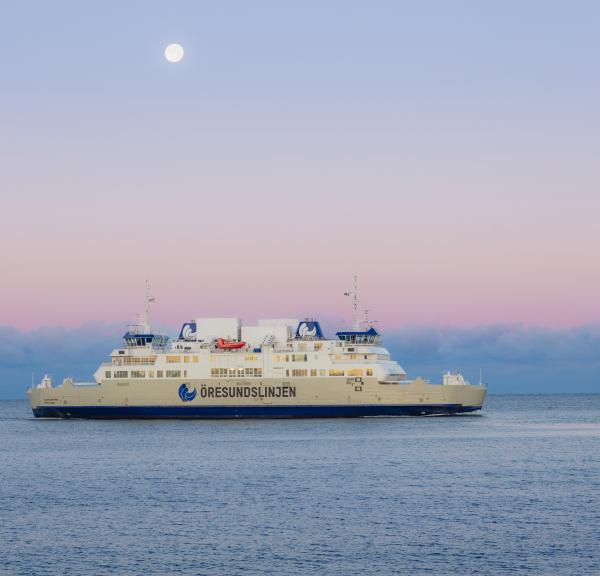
[
  {"x": 513, "y": 358},
  {"x": 60, "y": 352}
]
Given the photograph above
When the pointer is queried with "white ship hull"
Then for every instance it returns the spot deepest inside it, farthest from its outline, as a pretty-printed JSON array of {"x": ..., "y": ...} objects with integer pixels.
[{"x": 265, "y": 398}]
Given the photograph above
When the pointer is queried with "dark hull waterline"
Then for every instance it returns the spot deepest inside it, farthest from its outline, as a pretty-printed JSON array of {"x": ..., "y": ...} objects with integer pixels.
[{"x": 230, "y": 412}]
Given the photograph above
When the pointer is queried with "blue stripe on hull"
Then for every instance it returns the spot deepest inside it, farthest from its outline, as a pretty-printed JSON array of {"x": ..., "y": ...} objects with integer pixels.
[{"x": 212, "y": 412}]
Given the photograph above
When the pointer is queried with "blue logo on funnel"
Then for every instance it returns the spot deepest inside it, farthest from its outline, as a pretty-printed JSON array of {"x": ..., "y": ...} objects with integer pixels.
[{"x": 185, "y": 394}]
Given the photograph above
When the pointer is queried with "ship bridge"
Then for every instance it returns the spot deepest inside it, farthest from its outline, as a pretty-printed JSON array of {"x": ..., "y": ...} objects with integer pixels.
[
  {"x": 370, "y": 336},
  {"x": 133, "y": 339}
]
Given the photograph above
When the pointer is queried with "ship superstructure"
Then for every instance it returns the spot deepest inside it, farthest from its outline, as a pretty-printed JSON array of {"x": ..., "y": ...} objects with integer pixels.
[{"x": 220, "y": 348}]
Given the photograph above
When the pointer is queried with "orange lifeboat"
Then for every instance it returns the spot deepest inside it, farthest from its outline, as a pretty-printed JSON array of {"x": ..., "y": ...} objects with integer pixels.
[{"x": 229, "y": 344}]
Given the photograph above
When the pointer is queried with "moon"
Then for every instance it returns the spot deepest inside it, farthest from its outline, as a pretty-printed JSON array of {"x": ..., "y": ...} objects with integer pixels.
[{"x": 174, "y": 52}]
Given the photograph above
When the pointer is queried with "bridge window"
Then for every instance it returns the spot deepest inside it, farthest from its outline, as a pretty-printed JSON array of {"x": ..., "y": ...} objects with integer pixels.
[
  {"x": 299, "y": 372},
  {"x": 369, "y": 371},
  {"x": 313, "y": 372},
  {"x": 138, "y": 374},
  {"x": 299, "y": 357},
  {"x": 173, "y": 359},
  {"x": 173, "y": 374},
  {"x": 159, "y": 373},
  {"x": 195, "y": 359},
  {"x": 355, "y": 372},
  {"x": 120, "y": 374},
  {"x": 336, "y": 372},
  {"x": 107, "y": 374}
]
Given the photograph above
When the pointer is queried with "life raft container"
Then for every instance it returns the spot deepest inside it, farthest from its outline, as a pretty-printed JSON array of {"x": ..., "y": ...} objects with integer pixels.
[{"x": 229, "y": 344}]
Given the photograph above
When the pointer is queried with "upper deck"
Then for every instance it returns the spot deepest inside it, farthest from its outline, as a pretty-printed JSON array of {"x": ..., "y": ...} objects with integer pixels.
[{"x": 223, "y": 348}]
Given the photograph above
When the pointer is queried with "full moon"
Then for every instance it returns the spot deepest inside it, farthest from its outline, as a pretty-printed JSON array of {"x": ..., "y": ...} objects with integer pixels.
[{"x": 174, "y": 52}]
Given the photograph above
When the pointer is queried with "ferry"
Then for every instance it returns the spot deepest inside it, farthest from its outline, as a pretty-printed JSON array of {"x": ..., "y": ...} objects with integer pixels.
[{"x": 278, "y": 368}]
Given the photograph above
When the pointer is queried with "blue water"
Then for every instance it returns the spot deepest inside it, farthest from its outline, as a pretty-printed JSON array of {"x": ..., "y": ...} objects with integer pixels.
[{"x": 513, "y": 491}]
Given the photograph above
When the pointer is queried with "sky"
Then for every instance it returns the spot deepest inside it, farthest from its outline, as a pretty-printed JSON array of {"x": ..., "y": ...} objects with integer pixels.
[{"x": 446, "y": 152}]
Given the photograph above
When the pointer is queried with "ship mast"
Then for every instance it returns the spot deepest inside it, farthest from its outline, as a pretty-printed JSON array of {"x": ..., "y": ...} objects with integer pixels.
[
  {"x": 354, "y": 294},
  {"x": 149, "y": 299}
]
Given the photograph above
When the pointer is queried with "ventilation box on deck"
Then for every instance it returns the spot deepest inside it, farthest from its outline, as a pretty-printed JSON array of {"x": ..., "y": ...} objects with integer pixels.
[
  {"x": 255, "y": 335},
  {"x": 210, "y": 328}
]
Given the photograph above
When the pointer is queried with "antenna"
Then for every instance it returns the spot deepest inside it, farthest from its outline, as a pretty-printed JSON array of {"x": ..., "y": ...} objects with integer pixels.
[
  {"x": 368, "y": 323},
  {"x": 354, "y": 294},
  {"x": 480, "y": 381},
  {"x": 149, "y": 299}
]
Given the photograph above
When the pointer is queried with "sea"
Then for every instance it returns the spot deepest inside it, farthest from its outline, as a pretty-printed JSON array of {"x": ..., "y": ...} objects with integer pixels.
[{"x": 513, "y": 490}]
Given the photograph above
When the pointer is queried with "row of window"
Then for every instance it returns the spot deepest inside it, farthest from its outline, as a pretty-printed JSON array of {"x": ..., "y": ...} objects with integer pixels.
[
  {"x": 124, "y": 360},
  {"x": 286, "y": 357},
  {"x": 236, "y": 372},
  {"x": 302, "y": 346},
  {"x": 300, "y": 372},
  {"x": 304, "y": 357},
  {"x": 142, "y": 374},
  {"x": 360, "y": 356},
  {"x": 177, "y": 359}
]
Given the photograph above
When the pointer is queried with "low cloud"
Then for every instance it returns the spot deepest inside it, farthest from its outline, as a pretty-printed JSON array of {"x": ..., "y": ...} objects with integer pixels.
[
  {"x": 513, "y": 358},
  {"x": 61, "y": 352}
]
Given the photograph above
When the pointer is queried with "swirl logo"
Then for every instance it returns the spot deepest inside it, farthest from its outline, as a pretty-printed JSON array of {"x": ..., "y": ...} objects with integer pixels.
[
  {"x": 307, "y": 329},
  {"x": 185, "y": 394},
  {"x": 188, "y": 332}
]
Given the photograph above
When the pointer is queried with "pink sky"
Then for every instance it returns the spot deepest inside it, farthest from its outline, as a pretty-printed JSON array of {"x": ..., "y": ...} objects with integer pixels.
[
  {"x": 455, "y": 172},
  {"x": 435, "y": 239}
]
